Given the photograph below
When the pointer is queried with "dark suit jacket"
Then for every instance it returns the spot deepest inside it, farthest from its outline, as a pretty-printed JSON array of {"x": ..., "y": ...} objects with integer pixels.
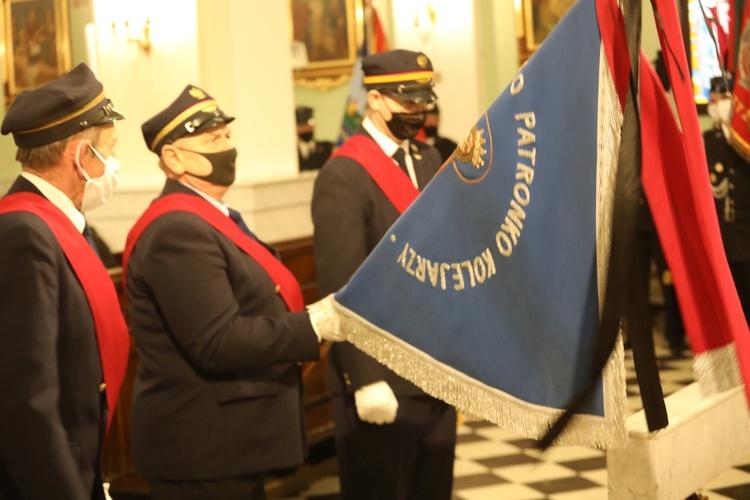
[
  {"x": 217, "y": 393},
  {"x": 445, "y": 147},
  {"x": 728, "y": 169},
  {"x": 52, "y": 415},
  {"x": 317, "y": 157},
  {"x": 351, "y": 214}
]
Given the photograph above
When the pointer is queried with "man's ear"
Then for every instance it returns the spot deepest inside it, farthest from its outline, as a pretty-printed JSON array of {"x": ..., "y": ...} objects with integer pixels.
[
  {"x": 375, "y": 100},
  {"x": 172, "y": 159},
  {"x": 69, "y": 154}
]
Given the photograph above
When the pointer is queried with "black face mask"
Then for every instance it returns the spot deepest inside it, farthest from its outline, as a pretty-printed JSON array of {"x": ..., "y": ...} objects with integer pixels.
[
  {"x": 406, "y": 125},
  {"x": 305, "y": 136},
  {"x": 431, "y": 131},
  {"x": 223, "y": 164}
]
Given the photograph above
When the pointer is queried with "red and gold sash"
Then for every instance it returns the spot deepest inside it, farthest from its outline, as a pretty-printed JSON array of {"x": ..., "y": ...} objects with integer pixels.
[
  {"x": 388, "y": 176},
  {"x": 111, "y": 330},
  {"x": 286, "y": 283}
]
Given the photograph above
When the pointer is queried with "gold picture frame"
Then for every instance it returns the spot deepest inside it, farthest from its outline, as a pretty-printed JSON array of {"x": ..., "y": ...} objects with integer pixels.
[
  {"x": 37, "y": 43},
  {"x": 540, "y": 17},
  {"x": 328, "y": 31}
]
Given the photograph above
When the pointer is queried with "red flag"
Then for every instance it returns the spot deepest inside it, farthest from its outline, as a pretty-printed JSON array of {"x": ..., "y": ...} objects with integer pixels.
[
  {"x": 379, "y": 40},
  {"x": 740, "y": 137},
  {"x": 675, "y": 180}
]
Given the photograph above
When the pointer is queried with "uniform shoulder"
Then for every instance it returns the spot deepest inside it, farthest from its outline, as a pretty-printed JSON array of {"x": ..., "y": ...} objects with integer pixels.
[
  {"x": 20, "y": 230},
  {"x": 177, "y": 224},
  {"x": 23, "y": 221},
  {"x": 340, "y": 167}
]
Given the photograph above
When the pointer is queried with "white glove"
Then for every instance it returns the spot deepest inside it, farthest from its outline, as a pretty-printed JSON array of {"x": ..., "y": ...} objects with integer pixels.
[
  {"x": 325, "y": 320},
  {"x": 376, "y": 403},
  {"x": 106, "y": 491}
]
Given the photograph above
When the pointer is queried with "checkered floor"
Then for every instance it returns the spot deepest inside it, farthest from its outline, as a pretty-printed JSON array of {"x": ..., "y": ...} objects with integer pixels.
[{"x": 492, "y": 463}]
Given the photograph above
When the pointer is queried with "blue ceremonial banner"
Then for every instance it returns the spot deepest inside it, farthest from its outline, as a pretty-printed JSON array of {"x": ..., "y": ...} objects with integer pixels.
[
  {"x": 487, "y": 291},
  {"x": 356, "y": 102}
]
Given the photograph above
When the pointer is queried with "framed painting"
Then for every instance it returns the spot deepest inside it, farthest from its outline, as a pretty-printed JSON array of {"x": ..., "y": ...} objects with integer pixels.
[
  {"x": 539, "y": 19},
  {"x": 37, "y": 43},
  {"x": 324, "y": 37}
]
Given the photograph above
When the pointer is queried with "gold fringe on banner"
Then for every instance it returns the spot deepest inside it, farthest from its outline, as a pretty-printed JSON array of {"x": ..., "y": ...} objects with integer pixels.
[
  {"x": 717, "y": 370},
  {"x": 479, "y": 400}
]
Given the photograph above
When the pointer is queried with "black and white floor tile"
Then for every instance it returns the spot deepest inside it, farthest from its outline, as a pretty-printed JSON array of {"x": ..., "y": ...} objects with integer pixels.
[{"x": 496, "y": 464}]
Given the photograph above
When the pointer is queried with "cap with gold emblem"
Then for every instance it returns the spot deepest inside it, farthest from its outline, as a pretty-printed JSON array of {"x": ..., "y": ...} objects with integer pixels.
[
  {"x": 401, "y": 73},
  {"x": 58, "y": 109},
  {"x": 722, "y": 85},
  {"x": 193, "y": 112},
  {"x": 304, "y": 115}
]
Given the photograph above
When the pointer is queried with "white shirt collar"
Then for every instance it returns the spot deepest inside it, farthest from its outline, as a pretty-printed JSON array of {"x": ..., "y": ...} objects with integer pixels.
[
  {"x": 221, "y": 207},
  {"x": 388, "y": 145},
  {"x": 305, "y": 148},
  {"x": 57, "y": 198}
]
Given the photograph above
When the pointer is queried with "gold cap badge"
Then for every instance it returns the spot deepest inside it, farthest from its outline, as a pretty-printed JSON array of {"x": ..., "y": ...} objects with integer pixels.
[{"x": 197, "y": 93}]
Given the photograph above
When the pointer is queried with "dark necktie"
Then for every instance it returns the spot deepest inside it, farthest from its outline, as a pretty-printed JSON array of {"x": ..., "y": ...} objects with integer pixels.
[
  {"x": 90, "y": 237},
  {"x": 400, "y": 157},
  {"x": 237, "y": 219}
]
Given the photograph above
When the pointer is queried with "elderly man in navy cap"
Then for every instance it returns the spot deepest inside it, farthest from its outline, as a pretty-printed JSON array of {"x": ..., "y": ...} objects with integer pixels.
[
  {"x": 218, "y": 320},
  {"x": 63, "y": 340},
  {"x": 393, "y": 440}
]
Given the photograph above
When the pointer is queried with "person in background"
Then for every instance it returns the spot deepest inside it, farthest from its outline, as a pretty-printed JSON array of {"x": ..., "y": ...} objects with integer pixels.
[
  {"x": 311, "y": 154},
  {"x": 63, "y": 340},
  {"x": 218, "y": 320},
  {"x": 393, "y": 441},
  {"x": 730, "y": 181},
  {"x": 445, "y": 146}
]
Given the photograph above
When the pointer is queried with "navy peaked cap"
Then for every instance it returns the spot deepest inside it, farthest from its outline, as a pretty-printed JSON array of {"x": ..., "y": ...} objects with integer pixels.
[
  {"x": 402, "y": 73},
  {"x": 193, "y": 112},
  {"x": 58, "y": 109}
]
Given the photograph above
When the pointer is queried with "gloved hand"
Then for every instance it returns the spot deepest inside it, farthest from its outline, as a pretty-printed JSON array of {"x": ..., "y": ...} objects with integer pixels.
[
  {"x": 106, "y": 491},
  {"x": 325, "y": 320},
  {"x": 376, "y": 403}
]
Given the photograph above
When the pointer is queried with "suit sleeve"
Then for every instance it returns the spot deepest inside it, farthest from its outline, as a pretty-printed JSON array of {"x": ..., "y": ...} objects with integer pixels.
[
  {"x": 340, "y": 213},
  {"x": 188, "y": 274},
  {"x": 33, "y": 442},
  {"x": 340, "y": 219}
]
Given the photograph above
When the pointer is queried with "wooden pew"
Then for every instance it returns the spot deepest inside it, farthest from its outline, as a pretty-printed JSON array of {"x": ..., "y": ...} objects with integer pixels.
[{"x": 117, "y": 464}]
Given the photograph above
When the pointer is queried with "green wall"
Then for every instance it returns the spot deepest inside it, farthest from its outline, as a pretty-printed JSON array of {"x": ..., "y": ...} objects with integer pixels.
[{"x": 328, "y": 109}]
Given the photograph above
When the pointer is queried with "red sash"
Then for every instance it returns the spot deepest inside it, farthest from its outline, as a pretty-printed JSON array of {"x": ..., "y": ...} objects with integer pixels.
[
  {"x": 675, "y": 180},
  {"x": 389, "y": 177},
  {"x": 111, "y": 330},
  {"x": 286, "y": 283}
]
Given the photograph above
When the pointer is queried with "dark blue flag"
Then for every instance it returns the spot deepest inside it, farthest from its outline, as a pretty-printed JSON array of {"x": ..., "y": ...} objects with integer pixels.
[{"x": 487, "y": 291}]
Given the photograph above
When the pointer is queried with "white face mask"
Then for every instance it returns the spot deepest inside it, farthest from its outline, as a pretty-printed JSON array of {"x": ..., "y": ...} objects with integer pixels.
[
  {"x": 97, "y": 191},
  {"x": 713, "y": 111},
  {"x": 724, "y": 110}
]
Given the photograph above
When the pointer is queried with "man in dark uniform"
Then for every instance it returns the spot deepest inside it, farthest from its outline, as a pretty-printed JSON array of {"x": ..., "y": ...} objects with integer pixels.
[
  {"x": 393, "y": 441},
  {"x": 217, "y": 399},
  {"x": 63, "y": 340},
  {"x": 445, "y": 146},
  {"x": 311, "y": 154},
  {"x": 730, "y": 180}
]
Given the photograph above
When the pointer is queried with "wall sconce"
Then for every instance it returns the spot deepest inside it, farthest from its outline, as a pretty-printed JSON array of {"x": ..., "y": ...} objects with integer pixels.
[
  {"x": 425, "y": 18},
  {"x": 144, "y": 42}
]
